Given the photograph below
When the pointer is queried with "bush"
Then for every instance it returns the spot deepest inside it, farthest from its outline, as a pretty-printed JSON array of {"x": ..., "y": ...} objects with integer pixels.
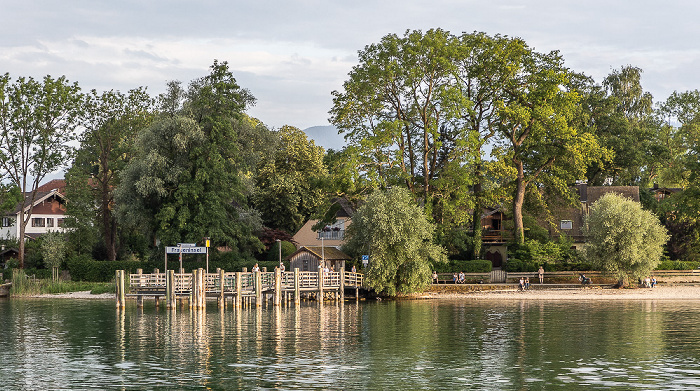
[
  {"x": 516, "y": 265},
  {"x": 453, "y": 266},
  {"x": 288, "y": 248},
  {"x": 677, "y": 265},
  {"x": 83, "y": 268}
]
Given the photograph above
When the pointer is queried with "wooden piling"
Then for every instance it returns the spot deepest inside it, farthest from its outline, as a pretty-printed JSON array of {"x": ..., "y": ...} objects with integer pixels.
[
  {"x": 170, "y": 290},
  {"x": 320, "y": 283},
  {"x": 278, "y": 287},
  {"x": 139, "y": 298},
  {"x": 239, "y": 290},
  {"x": 201, "y": 292},
  {"x": 222, "y": 303},
  {"x": 297, "y": 292},
  {"x": 342, "y": 284},
  {"x": 258, "y": 289},
  {"x": 121, "y": 294}
]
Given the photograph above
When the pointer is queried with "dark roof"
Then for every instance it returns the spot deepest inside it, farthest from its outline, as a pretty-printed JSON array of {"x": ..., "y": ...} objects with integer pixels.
[
  {"x": 346, "y": 210},
  {"x": 595, "y": 192},
  {"x": 56, "y": 184},
  {"x": 329, "y": 253},
  {"x": 665, "y": 190},
  {"x": 40, "y": 195}
]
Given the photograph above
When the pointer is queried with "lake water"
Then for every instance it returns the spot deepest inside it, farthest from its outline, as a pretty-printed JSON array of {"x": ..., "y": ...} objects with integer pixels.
[{"x": 438, "y": 344}]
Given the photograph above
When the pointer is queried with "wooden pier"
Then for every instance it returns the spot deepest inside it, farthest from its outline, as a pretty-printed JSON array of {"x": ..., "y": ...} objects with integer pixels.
[{"x": 243, "y": 288}]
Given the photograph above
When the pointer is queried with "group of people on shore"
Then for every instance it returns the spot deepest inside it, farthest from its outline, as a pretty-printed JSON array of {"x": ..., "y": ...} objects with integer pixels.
[
  {"x": 648, "y": 282},
  {"x": 524, "y": 283}
]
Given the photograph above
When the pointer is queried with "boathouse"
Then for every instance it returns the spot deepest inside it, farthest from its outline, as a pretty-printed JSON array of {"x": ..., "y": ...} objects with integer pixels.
[{"x": 308, "y": 258}]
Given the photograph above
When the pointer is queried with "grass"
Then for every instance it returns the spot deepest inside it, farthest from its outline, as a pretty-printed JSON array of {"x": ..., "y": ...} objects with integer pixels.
[{"x": 25, "y": 286}]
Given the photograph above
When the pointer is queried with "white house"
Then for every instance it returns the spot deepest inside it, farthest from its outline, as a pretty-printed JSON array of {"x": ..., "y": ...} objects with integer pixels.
[{"x": 47, "y": 215}]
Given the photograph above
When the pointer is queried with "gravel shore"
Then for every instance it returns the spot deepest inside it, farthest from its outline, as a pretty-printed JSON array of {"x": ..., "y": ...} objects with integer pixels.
[{"x": 75, "y": 295}]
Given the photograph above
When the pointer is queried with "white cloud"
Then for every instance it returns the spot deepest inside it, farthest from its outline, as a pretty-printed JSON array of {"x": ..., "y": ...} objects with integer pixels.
[{"x": 291, "y": 55}]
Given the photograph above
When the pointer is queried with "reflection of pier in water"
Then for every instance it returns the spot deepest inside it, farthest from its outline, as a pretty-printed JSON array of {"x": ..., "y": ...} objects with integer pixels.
[{"x": 243, "y": 288}]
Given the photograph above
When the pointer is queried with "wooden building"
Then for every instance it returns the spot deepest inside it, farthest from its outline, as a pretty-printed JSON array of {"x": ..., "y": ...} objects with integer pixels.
[{"x": 308, "y": 258}]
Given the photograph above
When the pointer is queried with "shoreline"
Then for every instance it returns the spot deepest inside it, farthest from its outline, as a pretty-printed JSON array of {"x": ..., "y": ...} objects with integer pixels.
[{"x": 660, "y": 292}]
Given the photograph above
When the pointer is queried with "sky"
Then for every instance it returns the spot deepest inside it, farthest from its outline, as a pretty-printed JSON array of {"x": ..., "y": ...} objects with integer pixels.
[{"x": 292, "y": 54}]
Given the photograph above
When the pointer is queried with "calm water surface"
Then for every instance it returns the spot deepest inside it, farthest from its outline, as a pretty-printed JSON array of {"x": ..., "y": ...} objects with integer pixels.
[{"x": 494, "y": 345}]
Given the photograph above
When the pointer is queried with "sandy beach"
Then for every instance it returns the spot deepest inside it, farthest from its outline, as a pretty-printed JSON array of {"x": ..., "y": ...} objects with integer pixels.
[{"x": 661, "y": 292}]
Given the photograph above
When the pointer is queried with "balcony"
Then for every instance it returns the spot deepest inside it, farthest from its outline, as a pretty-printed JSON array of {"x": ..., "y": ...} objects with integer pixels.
[{"x": 332, "y": 235}]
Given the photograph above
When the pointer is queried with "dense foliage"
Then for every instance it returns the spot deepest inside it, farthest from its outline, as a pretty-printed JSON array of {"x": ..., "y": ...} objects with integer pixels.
[
  {"x": 397, "y": 236},
  {"x": 624, "y": 239}
]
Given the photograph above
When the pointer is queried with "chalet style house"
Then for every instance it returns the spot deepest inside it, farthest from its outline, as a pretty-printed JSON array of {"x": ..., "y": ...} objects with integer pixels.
[
  {"x": 331, "y": 235},
  {"x": 47, "y": 215},
  {"x": 566, "y": 220}
]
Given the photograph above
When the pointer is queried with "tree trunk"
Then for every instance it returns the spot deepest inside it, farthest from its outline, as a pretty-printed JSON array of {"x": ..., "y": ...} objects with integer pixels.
[
  {"x": 518, "y": 200},
  {"x": 476, "y": 218},
  {"x": 108, "y": 227},
  {"x": 20, "y": 239}
]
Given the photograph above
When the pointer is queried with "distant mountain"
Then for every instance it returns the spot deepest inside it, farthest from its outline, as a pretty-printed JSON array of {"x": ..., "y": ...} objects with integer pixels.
[{"x": 326, "y": 136}]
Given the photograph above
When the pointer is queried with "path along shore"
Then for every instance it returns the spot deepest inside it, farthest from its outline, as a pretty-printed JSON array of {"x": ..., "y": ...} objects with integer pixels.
[{"x": 660, "y": 292}]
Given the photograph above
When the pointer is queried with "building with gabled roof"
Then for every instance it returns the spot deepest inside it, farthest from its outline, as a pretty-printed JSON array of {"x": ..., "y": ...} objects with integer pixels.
[
  {"x": 48, "y": 214},
  {"x": 308, "y": 259}
]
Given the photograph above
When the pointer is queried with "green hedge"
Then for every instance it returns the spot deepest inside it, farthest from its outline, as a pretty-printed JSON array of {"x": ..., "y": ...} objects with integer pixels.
[
  {"x": 453, "y": 266},
  {"x": 516, "y": 265},
  {"x": 678, "y": 265},
  {"x": 86, "y": 269}
]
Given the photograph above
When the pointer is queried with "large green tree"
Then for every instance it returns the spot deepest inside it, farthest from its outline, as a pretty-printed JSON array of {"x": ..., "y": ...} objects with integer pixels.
[
  {"x": 111, "y": 121},
  {"x": 536, "y": 135},
  {"x": 394, "y": 231},
  {"x": 624, "y": 239},
  {"x": 37, "y": 125},
  {"x": 184, "y": 182},
  {"x": 290, "y": 185},
  {"x": 621, "y": 116},
  {"x": 404, "y": 114}
]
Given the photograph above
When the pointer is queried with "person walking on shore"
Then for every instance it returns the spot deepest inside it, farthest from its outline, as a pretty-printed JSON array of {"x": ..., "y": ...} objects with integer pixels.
[{"x": 540, "y": 274}]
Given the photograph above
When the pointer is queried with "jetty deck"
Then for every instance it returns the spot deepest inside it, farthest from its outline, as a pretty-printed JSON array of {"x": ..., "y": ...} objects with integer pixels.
[{"x": 198, "y": 285}]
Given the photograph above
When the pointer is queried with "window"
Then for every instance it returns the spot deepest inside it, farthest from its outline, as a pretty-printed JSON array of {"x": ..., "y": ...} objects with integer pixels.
[
  {"x": 38, "y": 222},
  {"x": 59, "y": 222},
  {"x": 566, "y": 224},
  {"x": 7, "y": 221},
  {"x": 49, "y": 222}
]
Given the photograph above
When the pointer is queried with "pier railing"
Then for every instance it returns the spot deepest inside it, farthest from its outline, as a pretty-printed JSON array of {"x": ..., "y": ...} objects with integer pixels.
[{"x": 183, "y": 283}]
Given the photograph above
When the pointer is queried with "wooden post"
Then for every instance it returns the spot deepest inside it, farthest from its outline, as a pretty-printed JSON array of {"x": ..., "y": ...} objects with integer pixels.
[
  {"x": 320, "y": 283},
  {"x": 139, "y": 298},
  {"x": 202, "y": 292},
  {"x": 222, "y": 303},
  {"x": 121, "y": 296},
  {"x": 342, "y": 284},
  {"x": 170, "y": 290},
  {"x": 278, "y": 286},
  {"x": 258, "y": 289},
  {"x": 239, "y": 289},
  {"x": 297, "y": 293}
]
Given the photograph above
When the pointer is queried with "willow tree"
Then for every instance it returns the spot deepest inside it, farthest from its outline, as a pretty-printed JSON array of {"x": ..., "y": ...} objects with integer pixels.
[
  {"x": 394, "y": 231},
  {"x": 624, "y": 239}
]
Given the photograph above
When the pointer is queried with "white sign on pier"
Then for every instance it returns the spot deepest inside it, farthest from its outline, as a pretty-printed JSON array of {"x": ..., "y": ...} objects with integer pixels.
[{"x": 185, "y": 250}]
